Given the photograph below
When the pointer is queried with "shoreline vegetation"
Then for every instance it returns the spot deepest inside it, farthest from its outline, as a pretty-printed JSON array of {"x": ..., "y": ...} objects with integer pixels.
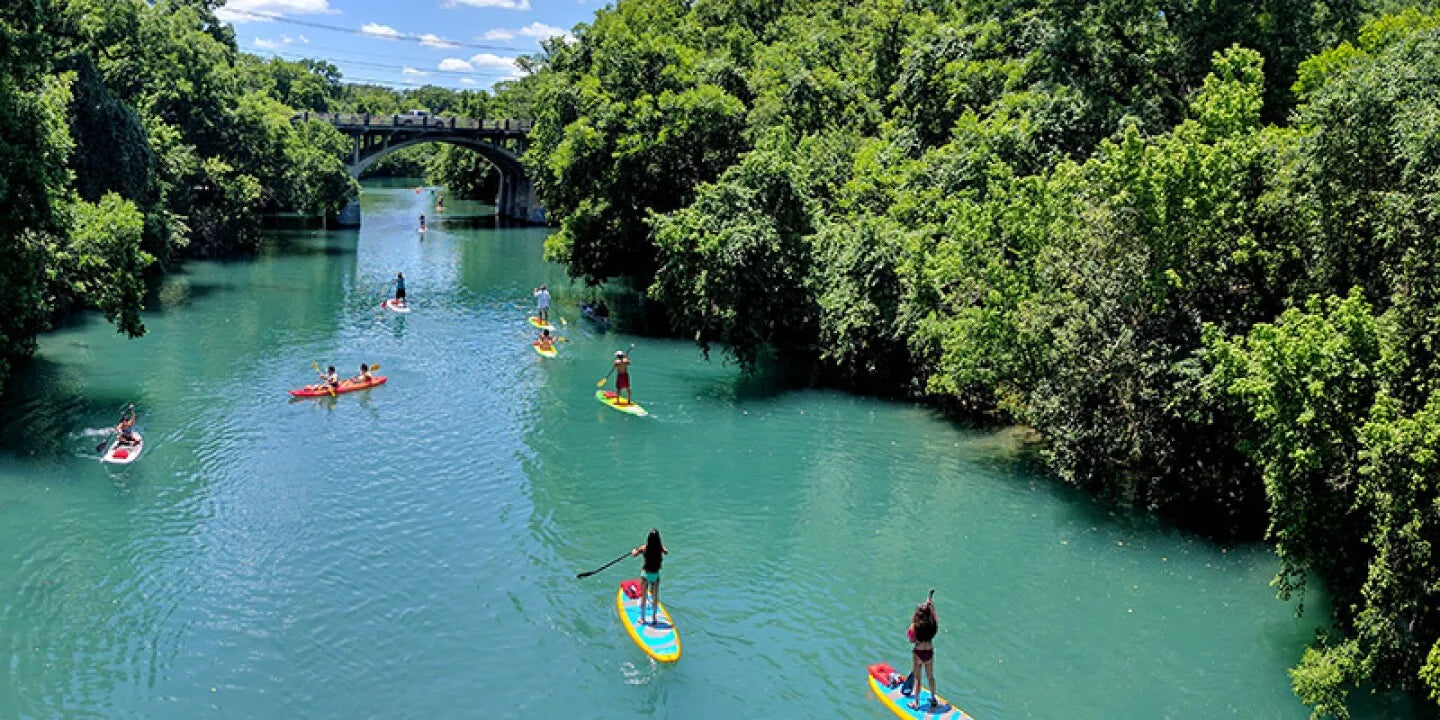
[{"x": 1192, "y": 245}]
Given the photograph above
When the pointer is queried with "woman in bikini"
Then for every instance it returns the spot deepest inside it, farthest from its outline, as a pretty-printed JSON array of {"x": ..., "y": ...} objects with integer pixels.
[
  {"x": 923, "y": 627},
  {"x": 655, "y": 553}
]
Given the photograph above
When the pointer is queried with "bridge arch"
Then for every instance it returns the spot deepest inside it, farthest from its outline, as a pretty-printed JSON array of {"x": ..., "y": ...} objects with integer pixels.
[{"x": 500, "y": 142}]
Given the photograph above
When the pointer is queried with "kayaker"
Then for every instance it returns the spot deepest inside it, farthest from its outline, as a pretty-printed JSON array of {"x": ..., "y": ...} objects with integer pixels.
[
  {"x": 364, "y": 377},
  {"x": 399, "y": 283},
  {"x": 621, "y": 368},
  {"x": 655, "y": 553},
  {"x": 329, "y": 379},
  {"x": 542, "y": 303},
  {"x": 924, "y": 624},
  {"x": 440, "y": 204},
  {"x": 126, "y": 427},
  {"x": 546, "y": 341}
]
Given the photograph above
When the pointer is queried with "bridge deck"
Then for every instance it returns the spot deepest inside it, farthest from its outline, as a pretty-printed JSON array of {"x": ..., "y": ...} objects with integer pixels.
[{"x": 420, "y": 123}]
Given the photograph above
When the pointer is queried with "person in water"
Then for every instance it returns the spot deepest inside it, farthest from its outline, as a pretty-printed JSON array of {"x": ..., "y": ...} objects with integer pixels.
[
  {"x": 364, "y": 377},
  {"x": 654, "y": 552},
  {"x": 622, "y": 376},
  {"x": 399, "y": 283},
  {"x": 125, "y": 429},
  {"x": 924, "y": 624},
  {"x": 542, "y": 303},
  {"x": 546, "y": 341}
]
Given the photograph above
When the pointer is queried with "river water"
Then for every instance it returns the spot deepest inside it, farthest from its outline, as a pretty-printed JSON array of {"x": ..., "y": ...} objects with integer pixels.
[{"x": 410, "y": 551}]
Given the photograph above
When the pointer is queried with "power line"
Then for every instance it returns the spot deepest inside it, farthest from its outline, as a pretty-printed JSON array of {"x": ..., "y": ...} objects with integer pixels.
[{"x": 356, "y": 31}]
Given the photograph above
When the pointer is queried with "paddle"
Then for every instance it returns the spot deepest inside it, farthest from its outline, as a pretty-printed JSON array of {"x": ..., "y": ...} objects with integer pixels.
[
  {"x": 606, "y": 379},
  {"x": 323, "y": 379},
  {"x": 624, "y": 555}
]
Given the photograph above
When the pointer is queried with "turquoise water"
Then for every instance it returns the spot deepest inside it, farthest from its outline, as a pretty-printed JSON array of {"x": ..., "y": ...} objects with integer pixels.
[{"x": 411, "y": 550}]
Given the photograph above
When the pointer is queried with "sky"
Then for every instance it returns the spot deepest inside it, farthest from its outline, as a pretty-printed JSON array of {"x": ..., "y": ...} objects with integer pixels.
[{"x": 457, "y": 44}]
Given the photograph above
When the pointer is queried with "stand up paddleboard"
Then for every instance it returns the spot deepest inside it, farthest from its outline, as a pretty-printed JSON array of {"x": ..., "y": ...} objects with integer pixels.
[
  {"x": 390, "y": 305},
  {"x": 659, "y": 640},
  {"x": 615, "y": 401},
  {"x": 118, "y": 454},
  {"x": 541, "y": 324},
  {"x": 887, "y": 684}
]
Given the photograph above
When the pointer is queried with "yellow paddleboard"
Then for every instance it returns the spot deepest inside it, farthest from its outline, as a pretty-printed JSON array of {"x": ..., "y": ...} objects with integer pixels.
[{"x": 619, "y": 403}]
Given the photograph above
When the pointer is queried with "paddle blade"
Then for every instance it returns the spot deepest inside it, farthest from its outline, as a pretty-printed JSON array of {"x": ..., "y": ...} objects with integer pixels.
[{"x": 601, "y": 384}]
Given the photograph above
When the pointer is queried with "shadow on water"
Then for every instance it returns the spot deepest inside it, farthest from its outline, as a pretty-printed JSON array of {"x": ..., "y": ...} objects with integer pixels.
[{"x": 42, "y": 400}]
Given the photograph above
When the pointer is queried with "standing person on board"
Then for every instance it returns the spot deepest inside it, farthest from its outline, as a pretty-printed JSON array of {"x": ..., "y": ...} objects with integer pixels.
[
  {"x": 399, "y": 283},
  {"x": 422, "y": 222},
  {"x": 621, "y": 367},
  {"x": 924, "y": 624},
  {"x": 542, "y": 303},
  {"x": 655, "y": 553}
]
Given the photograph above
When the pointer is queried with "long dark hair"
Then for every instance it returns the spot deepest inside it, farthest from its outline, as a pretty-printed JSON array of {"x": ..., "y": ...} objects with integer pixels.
[
  {"x": 925, "y": 622},
  {"x": 654, "y": 549}
]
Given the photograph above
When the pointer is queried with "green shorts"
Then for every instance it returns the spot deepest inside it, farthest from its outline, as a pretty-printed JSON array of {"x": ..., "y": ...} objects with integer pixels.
[{"x": 650, "y": 577}]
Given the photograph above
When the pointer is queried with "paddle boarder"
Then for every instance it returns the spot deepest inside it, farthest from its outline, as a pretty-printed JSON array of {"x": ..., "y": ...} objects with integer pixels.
[
  {"x": 621, "y": 368},
  {"x": 655, "y": 553},
  {"x": 126, "y": 427},
  {"x": 924, "y": 624},
  {"x": 542, "y": 303},
  {"x": 422, "y": 222},
  {"x": 399, "y": 283}
]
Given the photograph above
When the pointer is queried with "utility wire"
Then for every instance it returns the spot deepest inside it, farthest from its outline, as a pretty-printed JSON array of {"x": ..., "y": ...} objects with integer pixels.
[
  {"x": 355, "y": 31},
  {"x": 385, "y": 66}
]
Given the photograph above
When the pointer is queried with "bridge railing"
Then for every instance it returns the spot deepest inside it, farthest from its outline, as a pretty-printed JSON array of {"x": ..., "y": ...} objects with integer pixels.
[{"x": 381, "y": 122}]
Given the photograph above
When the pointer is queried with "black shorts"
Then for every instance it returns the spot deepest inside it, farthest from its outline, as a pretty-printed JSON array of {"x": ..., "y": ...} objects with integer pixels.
[{"x": 400, "y": 293}]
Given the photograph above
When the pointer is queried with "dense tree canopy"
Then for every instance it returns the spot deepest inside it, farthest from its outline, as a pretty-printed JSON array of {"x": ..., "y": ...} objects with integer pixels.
[{"x": 1190, "y": 243}]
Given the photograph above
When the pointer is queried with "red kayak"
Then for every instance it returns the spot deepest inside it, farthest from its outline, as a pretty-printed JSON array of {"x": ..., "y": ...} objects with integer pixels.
[{"x": 345, "y": 386}]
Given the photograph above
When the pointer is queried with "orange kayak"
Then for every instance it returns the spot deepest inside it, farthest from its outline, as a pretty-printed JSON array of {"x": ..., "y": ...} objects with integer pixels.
[{"x": 345, "y": 386}]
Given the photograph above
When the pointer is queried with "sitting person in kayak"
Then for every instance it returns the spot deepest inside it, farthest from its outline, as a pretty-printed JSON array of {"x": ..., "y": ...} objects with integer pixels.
[
  {"x": 363, "y": 378},
  {"x": 924, "y": 624},
  {"x": 622, "y": 377},
  {"x": 328, "y": 379},
  {"x": 655, "y": 553},
  {"x": 399, "y": 283},
  {"x": 546, "y": 341},
  {"x": 126, "y": 427}
]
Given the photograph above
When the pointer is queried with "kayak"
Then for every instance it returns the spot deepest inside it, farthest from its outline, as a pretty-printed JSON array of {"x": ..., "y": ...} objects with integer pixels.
[
  {"x": 390, "y": 305},
  {"x": 552, "y": 352},
  {"x": 619, "y": 403},
  {"x": 886, "y": 683},
  {"x": 123, "y": 454},
  {"x": 659, "y": 640},
  {"x": 537, "y": 322},
  {"x": 345, "y": 387}
]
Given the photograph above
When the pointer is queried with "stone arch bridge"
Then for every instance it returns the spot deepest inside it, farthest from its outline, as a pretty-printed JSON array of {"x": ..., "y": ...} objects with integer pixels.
[{"x": 500, "y": 142}]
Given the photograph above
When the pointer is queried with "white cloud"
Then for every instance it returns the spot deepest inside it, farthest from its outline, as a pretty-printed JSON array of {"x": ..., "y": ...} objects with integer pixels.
[
  {"x": 414, "y": 72},
  {"x": 303, "y": 40},
  {"x": 268, "y": 44},
  {"x": 467, "y": 81},
  {"x": 240, "y": 11},
  {"x": 436, "y": 41},
  {"x": 536, "y": 30},
  {"x": 541, "y": 30},
  {"x": 456, "y": 65},
  {"x": 496, "y": 62},
  {"x": 501, "y": 4},
  {"x": 381, "y": 31}
]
